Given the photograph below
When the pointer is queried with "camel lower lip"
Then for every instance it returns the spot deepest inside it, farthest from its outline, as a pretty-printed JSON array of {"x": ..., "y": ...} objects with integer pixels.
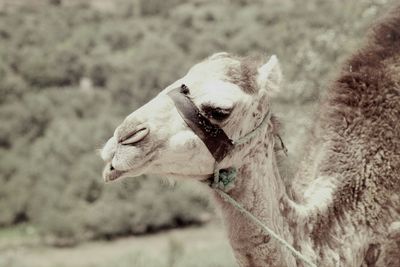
[{"x": 113, "y": 175}]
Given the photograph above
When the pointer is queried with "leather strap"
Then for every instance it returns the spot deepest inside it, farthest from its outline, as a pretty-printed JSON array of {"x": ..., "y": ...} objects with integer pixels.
[{"x": 215, "y": 139}]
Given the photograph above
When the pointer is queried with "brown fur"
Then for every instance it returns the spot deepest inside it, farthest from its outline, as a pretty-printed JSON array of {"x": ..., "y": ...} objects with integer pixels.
[
  {"x": 359, "y": 130},
  {"x": 361, "y": 124},
  {"x": 245, "y": 75}
]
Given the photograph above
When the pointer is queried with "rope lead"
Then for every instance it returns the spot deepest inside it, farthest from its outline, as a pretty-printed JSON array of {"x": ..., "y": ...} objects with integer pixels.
[
  {"x": 223, "y": 181},
  {"x": 265, "y": 228}
]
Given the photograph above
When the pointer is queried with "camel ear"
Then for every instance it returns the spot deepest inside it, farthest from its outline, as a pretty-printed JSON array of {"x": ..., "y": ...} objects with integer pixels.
[{"x": 270, "y": 76}]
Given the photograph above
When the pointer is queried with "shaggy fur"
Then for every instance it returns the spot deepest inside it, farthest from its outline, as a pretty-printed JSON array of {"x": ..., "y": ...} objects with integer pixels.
[
  {"x": 245, "y": 74},
  {"x": 355, "y": 159},
  {"x": 359, "y": 131}
]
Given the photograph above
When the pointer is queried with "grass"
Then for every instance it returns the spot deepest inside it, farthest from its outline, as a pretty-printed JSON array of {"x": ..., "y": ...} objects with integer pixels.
[
  {"x": 22, "y": 234},
  {"x": 191, "y": 247}
]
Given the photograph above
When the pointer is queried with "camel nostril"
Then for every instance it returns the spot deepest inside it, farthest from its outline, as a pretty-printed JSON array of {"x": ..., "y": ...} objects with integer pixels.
[
  {"x": 135, "y": 136},
  {"x": 111, "y": 167}
]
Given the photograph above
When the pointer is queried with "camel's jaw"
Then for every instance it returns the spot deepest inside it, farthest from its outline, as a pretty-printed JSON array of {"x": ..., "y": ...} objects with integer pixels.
[
  {"x": 185, "y": 176},
  {"x": 110, "y": 174}
]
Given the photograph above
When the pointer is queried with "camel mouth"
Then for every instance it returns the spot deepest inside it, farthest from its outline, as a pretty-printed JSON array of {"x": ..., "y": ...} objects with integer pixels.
[{"x": 111, "y": 174}]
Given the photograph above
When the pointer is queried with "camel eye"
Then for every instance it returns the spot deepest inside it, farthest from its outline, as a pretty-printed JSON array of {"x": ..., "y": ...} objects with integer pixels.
[
  {"x": 184, "y": 89},
  {"x": 215, "y": 113}
]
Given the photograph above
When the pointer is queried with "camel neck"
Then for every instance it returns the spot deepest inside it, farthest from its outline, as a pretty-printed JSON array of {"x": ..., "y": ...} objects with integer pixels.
[{"x": 258, "y": 188}]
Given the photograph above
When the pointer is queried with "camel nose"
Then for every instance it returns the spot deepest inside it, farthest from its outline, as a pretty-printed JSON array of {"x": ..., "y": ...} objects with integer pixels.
[{"x": 134, "y": 136}]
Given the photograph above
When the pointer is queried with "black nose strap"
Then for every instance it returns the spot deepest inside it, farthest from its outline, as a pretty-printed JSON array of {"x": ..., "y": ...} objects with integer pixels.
[{"x": 215, "y": 139}]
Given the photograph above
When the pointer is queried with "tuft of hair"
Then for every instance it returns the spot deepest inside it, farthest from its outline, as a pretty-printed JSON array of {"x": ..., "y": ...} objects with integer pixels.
[
  {"x": 245, "y": 73},
  {"x": 219, "y": 55}
]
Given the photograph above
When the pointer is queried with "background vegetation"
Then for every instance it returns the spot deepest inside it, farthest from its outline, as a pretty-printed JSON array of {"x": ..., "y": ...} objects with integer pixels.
[{"x": 71, "y": 70}]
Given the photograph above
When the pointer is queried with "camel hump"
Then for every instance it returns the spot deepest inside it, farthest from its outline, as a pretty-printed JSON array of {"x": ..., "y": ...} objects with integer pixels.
[
  {"x": 386, "y": 32},
  {"x": 383, "y": 43}
]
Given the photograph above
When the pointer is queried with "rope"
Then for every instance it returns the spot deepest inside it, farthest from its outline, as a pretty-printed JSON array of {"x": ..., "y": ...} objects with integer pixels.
[
  {"x": 224, "y": 178},
  {"x": 223, "y": 181},
  {"x": 265, "y": 228},
  {"x": 251, "y": 134}
]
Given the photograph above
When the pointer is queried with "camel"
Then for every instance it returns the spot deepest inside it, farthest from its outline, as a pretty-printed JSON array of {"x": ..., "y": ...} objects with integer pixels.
[{"x": 343, "y": 205}]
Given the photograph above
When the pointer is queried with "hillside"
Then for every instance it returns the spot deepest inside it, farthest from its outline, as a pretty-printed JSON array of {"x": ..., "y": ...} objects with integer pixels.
[{"x": 71, "y": 70}]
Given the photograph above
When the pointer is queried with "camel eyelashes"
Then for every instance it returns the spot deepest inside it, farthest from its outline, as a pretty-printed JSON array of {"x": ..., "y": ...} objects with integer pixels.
[{"x": 216, "y": 113}]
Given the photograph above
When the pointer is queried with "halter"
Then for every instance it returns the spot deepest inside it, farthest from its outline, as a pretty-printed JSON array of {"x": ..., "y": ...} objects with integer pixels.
[{"x": 215, "y": 139}]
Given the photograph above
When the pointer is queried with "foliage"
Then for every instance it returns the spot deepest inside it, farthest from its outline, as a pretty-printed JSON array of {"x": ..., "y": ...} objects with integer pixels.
[{"x": 69, "y": 73}]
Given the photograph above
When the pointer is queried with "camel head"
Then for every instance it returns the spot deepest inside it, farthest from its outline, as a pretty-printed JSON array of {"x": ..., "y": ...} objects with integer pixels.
[{"x": 233, "y": 93}]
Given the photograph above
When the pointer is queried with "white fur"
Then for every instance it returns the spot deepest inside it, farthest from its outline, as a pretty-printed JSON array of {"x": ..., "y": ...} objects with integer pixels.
[{"x": 108, "y": 151}]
